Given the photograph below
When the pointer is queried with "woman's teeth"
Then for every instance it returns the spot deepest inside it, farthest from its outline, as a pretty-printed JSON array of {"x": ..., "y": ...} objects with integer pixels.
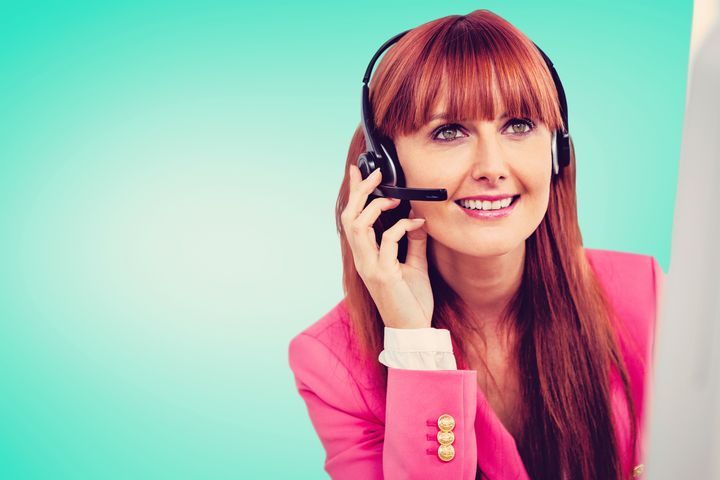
[{"x": 486, "y": 204}]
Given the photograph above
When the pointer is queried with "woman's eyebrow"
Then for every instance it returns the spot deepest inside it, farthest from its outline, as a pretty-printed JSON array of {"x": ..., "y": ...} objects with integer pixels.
[
  {"x": 445, "y": 116},
  {"x": 442, "y": 115}
]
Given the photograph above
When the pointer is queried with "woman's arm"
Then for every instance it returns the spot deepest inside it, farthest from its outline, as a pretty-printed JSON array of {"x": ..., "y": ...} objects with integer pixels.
[{"x": 405, "y": 445}]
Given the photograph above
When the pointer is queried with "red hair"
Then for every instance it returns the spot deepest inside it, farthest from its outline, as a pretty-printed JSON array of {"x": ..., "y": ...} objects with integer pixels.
[{"x": 566, "y": 344}]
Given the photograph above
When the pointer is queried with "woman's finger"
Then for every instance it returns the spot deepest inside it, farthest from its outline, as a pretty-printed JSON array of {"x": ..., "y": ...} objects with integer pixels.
[
  {"x": 364, "y": 242},
  {"x": 370, "y": 214},
  {"x": 360, "y": 190},
  {"x": 350, "y": 213},
  {"x": 417, "y": 247},
  {"x": 389, "y": 245}
]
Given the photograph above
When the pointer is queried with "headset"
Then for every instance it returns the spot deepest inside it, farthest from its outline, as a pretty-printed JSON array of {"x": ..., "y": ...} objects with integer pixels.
[{"x": 381, "y": 154}]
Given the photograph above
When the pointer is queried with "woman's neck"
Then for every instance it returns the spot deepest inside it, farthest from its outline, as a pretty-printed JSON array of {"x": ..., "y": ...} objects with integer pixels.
[{"x": 485, "y": 284}]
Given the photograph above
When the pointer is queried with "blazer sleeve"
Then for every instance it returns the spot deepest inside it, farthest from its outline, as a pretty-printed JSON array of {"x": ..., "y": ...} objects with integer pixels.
[{"x": 405, "y": 446}]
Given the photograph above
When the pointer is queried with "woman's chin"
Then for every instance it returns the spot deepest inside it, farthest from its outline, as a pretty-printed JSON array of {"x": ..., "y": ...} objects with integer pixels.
[
  {"x": 488, "y": 251},
  {"x": 481, "y": 247}
]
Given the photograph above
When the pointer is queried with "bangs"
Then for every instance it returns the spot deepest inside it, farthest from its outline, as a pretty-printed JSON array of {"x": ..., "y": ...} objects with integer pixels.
[{"x": 475, "y": 69}]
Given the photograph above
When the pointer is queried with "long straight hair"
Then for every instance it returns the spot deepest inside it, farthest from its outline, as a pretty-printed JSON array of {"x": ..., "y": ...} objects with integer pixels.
[{"x": 565, "y": 343}]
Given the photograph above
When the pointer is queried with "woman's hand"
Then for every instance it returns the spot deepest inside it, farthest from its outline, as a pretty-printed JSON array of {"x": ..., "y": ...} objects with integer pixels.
[{"x": 401, "y": 291}]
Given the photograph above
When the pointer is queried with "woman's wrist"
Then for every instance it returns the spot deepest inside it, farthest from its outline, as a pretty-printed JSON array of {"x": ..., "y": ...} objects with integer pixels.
[{"x": 427, "y": 339}]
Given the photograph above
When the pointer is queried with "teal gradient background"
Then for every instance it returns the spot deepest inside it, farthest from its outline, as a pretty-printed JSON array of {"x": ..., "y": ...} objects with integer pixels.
[{"x": 168, "y": 174}]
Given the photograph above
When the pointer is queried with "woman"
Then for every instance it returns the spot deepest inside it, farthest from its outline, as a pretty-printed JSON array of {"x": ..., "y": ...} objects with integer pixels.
[{"x": 510, "y": 351}]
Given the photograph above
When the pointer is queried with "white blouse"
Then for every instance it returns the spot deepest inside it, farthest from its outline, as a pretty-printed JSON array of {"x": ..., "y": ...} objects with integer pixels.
[{"x": 418, "y": 349}]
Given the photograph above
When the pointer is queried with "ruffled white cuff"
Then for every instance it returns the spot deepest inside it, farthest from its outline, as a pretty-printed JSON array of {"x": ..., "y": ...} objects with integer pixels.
[{"x": 418, "y": 349}]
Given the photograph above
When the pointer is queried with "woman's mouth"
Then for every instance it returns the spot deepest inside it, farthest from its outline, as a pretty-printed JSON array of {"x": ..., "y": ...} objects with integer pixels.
[{"x": 474, "y": 208}]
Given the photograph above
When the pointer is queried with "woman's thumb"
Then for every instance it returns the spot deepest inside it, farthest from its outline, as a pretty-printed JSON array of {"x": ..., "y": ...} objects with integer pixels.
[{"x": 417, "y": 245}]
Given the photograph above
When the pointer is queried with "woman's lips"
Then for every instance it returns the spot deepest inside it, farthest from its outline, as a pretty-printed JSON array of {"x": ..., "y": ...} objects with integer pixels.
[{"x": 490, "y": 214}]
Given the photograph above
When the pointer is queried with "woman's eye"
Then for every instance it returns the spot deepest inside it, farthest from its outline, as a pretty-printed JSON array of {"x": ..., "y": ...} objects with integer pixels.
[
  {"x": 447, "y": 133},
  {"x": 516, "y": 127},
  {"x": 521, "y": 126}
]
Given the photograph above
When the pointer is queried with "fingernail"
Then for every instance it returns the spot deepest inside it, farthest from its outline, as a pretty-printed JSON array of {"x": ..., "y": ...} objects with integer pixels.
[{"x": 375, "y": 172}]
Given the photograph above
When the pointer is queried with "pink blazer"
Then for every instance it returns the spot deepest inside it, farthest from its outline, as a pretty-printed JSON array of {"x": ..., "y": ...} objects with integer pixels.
[{"x": 370, "y": 431}]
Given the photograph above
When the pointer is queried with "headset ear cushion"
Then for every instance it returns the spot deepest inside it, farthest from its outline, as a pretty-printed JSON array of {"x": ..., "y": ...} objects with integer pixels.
[
  {"x": 392, "y": 163},
  {"x": 563, "y": 149},
  {"x": 366, "y": 164}
]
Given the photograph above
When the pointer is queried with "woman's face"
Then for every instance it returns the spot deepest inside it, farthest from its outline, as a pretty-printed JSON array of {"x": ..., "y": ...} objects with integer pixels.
[{"x": 505, "y": 157}]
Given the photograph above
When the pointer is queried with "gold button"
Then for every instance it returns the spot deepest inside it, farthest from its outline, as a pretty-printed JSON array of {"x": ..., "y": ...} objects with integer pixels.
[
  {"x": 445, "y": 438},
  {"x": 638, "y": 470},
  {"x": 446, "y": 422},
  {"x": 446, "y": 452}
]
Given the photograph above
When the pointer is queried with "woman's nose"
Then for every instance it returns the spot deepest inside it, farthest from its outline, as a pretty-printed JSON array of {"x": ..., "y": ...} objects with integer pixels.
[{"x": 488, "y": 162}]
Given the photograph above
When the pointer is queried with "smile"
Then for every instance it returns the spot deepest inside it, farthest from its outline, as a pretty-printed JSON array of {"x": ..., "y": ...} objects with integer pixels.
[{"x": 475, "y": 208}]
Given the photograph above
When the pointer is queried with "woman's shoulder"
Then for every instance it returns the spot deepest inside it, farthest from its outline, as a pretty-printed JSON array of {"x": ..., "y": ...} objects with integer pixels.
[
  {"x": 629, "y": 279},
  {"x": 631, "y": 282},
  {"x": 325, "y": 359},
  {"x": 331, "y": 332},
  {"x": 616, "y": 265}
]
